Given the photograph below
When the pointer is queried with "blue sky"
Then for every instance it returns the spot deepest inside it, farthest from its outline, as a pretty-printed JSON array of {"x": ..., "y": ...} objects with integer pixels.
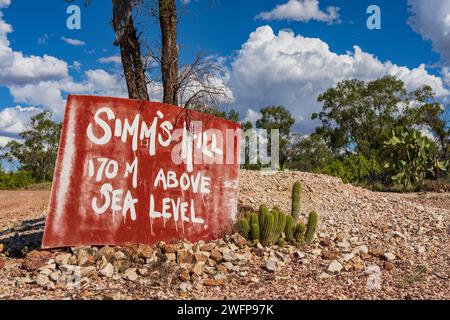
[{"x": 273, "y": 51}]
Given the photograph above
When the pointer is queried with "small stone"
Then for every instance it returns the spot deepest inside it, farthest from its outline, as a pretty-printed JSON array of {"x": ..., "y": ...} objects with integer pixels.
[
  {"x": 36, "y": 260},
  {"x": 87, "y": 271},
  {"x": 42, "y": 280},
  {"x": 46, "y": 272},
  {"x": 112, "y": 295},
  {"x": 131, "y": 275},
  {"x": 106, "y": 252},
  {"x": 299, "y": 255},
  {"x": 2, "y": 248},
  {"x": 316, "y": 252},
  {"x": 185, "y": 276},
  {"x": 107, "y": 271},
  {"x": 239, "y": 240},
  {"x": 388, "y": 265},
  {"x": 389, "y": 256},
  {"x": 67, "y": 268},
  {"x": 198, "y": 268},
  {"x": 228, "y": 265},
  {"x": 200, "y": 258},
  {"x": 63, "y": 259},
  {"x": 348, "y": 256},
  {"x": 207, "y": 247},
  {"x": 145, "y": 251},
  {"x": 335, "y": 267},
  {"x": 119, "y": 255},
  {"x": 325, "y": 242},
  {"x": 272, "y": 264},
  {"x": 361, "y": 250},
  {"x": 171, "y": 257},
  {"x": 143, "y": 272},
  {"x": 216, "y": 255},
  {"x": 377, "y": 252},
  {"x": 421, "y": 249},
  {"x": 54, "y": 276},
  {"x": 213, "y": 283},
  {"x": 323, "y": 276},
  {"x": 84, "y": 258},
  {"x": 344, "y": 244},
  {"x": 183, "y": 256},
  {"x": 220, "y": 277},
  {"x": 254, "y": 280},
  {"x": 185, "y": 286},
  {"x": 222, "y": 268}
]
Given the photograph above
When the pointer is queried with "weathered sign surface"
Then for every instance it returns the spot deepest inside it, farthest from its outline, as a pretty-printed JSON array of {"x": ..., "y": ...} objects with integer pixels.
[{"x": 130, "y": 171}]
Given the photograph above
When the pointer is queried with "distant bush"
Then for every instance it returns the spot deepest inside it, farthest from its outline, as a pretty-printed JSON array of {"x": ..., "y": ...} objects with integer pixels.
[
  {"x": 354, "y": 169},
  {"x": 15, "y": 180}
]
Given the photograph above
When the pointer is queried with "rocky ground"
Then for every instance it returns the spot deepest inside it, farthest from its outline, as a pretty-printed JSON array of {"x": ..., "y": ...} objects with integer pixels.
[{"x": 368, "y": 246}]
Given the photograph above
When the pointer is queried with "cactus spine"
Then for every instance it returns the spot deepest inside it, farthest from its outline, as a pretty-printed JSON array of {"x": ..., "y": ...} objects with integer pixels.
[
  {"x": 279, "y": 224},
  {"x": 289, "y": 230},
  {"x": 255, "y": 233},
  {"x": 311, "y": 227},
  {"x": 244, "y": 227},
  {"x": 266, "y": 226},
  {"x": 299, "y": 232},
  {"x": 296, "y": 194}
]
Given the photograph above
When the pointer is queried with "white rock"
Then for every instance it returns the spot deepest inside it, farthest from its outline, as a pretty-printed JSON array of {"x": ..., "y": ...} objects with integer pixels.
[
  {"x": 63, "y": 259},
  {"x": 348, "y": 256},
  {"x": 361, "y": 249},
  {"x": 272, "y": 264},
  {"x": 335, "y": 267},
  {"x": 389, "y": 256},
  {"x": 107, "y": 271},
  {"x": 323, "y": 276},
  {"x": 42, "y": 280},
  {"x": 131, "y": 275},
  {"x": 185, "y": 286}
]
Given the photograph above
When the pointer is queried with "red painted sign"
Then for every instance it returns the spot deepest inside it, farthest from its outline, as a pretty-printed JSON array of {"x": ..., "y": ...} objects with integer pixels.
[{"x": 130, "y": 171}]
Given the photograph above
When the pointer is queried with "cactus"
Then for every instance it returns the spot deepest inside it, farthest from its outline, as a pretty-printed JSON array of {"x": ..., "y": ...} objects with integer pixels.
[
  {"x": 255, "y": 232},
  {"x": 311, "y": 227},
  {"x": 289, "y": 230},
  {"x": 253, "y": 219},
  {"x": 299, "y": 232},
  {"x": 262, "y": 213},
  {"x": 281, "y": 242},
  {"x": 296, "y": 194},
  {"x": 244, "y": 227},
  {"x": 266, "y": 226},
  {"x": 279, "y": 224}
]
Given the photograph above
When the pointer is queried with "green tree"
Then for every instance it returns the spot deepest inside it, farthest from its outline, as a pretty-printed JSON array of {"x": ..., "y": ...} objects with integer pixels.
[
  {"x": 277, "y": 118},
  {"x": 38, "y": 151},
  {"x": 310, "y": 153},
  {"x": 359, "y": 116}
]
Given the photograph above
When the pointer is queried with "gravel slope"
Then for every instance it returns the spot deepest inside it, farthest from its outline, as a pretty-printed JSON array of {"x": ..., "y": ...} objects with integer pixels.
[{"x": 378, "y": 241}]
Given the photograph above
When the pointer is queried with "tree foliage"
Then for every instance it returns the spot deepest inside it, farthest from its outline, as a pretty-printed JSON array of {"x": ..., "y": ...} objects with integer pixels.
[{"x": 38, "y": 150}]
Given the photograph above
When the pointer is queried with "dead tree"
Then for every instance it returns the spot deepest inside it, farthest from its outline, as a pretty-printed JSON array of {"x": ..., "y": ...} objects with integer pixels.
[
  {"x": 168, "y": 20},
  {"x": 130, "y": 49}
]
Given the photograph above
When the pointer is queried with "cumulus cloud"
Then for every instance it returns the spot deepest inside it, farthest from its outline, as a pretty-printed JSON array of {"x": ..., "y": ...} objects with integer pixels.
[
  {"x": 293, "y": 70},
  {"x": 111, "y": 59},
  {"x": 301, "y": 10},
  {"x": 431, "y": 19},
  {"x": 13, "y": 120},
  {"x": 73, "y": 42},
  {"x": 17, "y": 68}
]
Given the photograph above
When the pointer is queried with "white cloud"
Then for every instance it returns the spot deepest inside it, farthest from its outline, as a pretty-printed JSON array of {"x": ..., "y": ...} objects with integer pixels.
[
  {"x": 73, "y": 42},
  {"x": 16, "y": 68},
  {"x": 292, "y": 70},
  {"x": 111, "y": 59},
  {"x": 431, "y": 19},
  {"x": 301, "y": 10},
  {"x": 13, "y": 120}
]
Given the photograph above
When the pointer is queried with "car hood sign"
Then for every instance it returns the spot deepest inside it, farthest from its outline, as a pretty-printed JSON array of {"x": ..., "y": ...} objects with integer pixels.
[{"x": 130, "y": 171}]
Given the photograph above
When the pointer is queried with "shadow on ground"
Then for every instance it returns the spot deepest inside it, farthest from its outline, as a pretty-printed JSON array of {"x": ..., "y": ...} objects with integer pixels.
[{"x": 23, "y": 238}]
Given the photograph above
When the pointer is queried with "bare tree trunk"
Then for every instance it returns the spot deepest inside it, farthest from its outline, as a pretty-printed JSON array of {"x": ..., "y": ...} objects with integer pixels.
[
  {"x": 169, "y": 62},
  {"x": 130, "y": 49}
]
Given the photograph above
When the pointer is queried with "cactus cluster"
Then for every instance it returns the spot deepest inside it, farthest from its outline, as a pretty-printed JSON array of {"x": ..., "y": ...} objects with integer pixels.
[{"x": 277, "y": 227}]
